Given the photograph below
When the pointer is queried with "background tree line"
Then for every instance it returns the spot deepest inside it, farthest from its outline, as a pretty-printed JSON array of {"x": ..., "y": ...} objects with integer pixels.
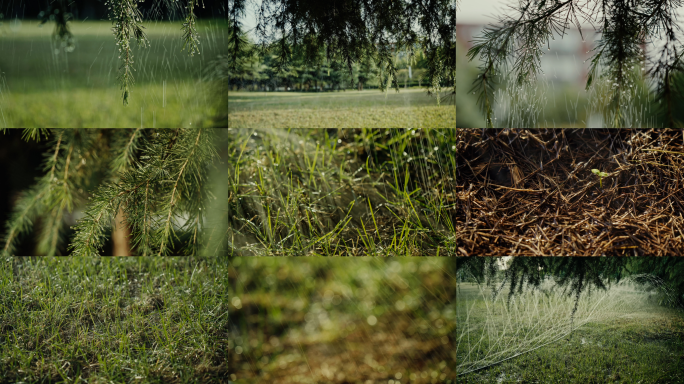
[
  {"x": 256, "y": 71},
  {"x": 578, "y": 274}
]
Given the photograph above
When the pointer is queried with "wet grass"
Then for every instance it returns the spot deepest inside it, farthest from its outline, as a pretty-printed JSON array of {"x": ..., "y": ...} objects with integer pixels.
[
  {"x": 185, "y": 106},
  {"x": 644, "y": 344},
  {"x": 341, "y": 192},
  {"x": 103, "y": 320},
  {"x": 42, "y": 85},
  {"x": 319, "y": 320},
  {"x": 360, "y": 109}
]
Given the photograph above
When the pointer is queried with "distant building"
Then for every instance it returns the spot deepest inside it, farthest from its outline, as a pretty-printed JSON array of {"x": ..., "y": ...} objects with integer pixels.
[{"x": 564, "y": 62}]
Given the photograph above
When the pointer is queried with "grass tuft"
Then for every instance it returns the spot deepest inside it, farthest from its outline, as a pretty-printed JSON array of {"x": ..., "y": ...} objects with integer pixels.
[{"x": 341, "y": 192}]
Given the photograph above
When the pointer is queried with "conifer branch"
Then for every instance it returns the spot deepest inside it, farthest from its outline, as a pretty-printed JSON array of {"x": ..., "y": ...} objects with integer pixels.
[
  {"x": 160, "y": 182},
  {"x": 90, "y": 231},
  {"x": 625, "y": 26},
  {"x": 127, "y": 25},
  {"x": 126, "y": 155},
  {"x": 190, "y": 35},
  {"x": 21, "y": 219},
  {"x": 168, "y": 230}
]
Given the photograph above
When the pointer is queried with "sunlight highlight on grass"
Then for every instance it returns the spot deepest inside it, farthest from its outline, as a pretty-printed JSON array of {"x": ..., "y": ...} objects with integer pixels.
[{"x": 102, "y": 107}]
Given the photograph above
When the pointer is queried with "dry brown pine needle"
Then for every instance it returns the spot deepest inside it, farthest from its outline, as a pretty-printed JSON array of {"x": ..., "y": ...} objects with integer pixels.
[{"x": 533, "y": 192}]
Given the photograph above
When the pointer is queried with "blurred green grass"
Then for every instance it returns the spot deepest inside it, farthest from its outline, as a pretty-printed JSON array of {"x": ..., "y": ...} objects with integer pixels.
[
  {"x": 409, "y": 107},
  {"x": 406, "y": 98},
  {"x": 102, "y": 107},
  {"x": 421, "y": 117},
  {"x": 42, "y": 85},
  {"x": 349, "y": 320}
]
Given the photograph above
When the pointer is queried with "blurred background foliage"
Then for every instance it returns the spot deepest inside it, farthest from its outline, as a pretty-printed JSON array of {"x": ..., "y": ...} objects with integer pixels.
[
  {"x": 577, "y": 274},
  {"x": 468, "y": 114},
  {"x": 555, "y": 104},
  {"x": 287, "y": 312}
]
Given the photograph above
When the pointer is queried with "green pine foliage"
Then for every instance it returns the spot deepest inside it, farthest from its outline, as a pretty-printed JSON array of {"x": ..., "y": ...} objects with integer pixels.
[{"x": 167, "y": 182}]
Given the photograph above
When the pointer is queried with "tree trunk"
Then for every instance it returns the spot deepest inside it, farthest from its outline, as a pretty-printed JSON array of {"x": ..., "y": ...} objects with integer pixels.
[{"x": 120, "y": 235}]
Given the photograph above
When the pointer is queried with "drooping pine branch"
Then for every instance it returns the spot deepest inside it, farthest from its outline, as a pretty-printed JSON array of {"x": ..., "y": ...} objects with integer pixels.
[
  {"x": 21, "y": 220},
  {"x": 190, "y": 35},
  {"x": 624, "y": 26},
  {"x": 189, "y": 155},
  {"x": 126, "y": 144},
  {"x": 91, "y": 231},
  {"x": 58, "y": 12},
  {"x": 127, "y": 21}
]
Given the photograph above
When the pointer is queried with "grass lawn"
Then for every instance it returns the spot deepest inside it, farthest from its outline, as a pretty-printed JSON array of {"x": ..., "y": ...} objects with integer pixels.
[
  {"x": 344, "y": 192},
  {"x": 363, "y": 109},
  {"x": 628, "y": 338},
  {"x": 122, "y": 320},
  {"x": 335, "y": 320},
  {"x": 42, "y": 85}
]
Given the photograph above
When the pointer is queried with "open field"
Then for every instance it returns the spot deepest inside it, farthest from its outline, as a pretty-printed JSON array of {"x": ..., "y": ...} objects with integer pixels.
[
  {"x": 335, "y": 320},
  {"x": 121, "y": 320},
  {"x": 618, "y": 336},
  {"x": 42, "y": 85},
  {"x": 410, "y": 108}
]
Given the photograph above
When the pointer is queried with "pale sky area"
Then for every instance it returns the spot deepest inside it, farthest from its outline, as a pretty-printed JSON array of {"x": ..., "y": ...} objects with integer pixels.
[
  {"x": 487, "y": 11},
  {"x": 481, "y": 11},
  {"x": 249, "y": 21}
]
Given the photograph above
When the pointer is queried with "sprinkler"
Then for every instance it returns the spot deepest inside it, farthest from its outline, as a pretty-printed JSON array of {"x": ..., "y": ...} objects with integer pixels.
[{"x": 601, "y": 175}]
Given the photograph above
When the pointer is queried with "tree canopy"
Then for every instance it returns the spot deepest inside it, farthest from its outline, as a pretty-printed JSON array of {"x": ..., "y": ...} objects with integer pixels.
[
  {"x": 515, "y": 44},
  {"x": 349, "y": 31}
]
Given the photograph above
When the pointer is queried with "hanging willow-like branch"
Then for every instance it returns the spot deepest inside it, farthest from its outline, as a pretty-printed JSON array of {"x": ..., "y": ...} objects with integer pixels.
[
  {"x": 515, "y": 44},
  {"x": 127, "y": 24}
]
